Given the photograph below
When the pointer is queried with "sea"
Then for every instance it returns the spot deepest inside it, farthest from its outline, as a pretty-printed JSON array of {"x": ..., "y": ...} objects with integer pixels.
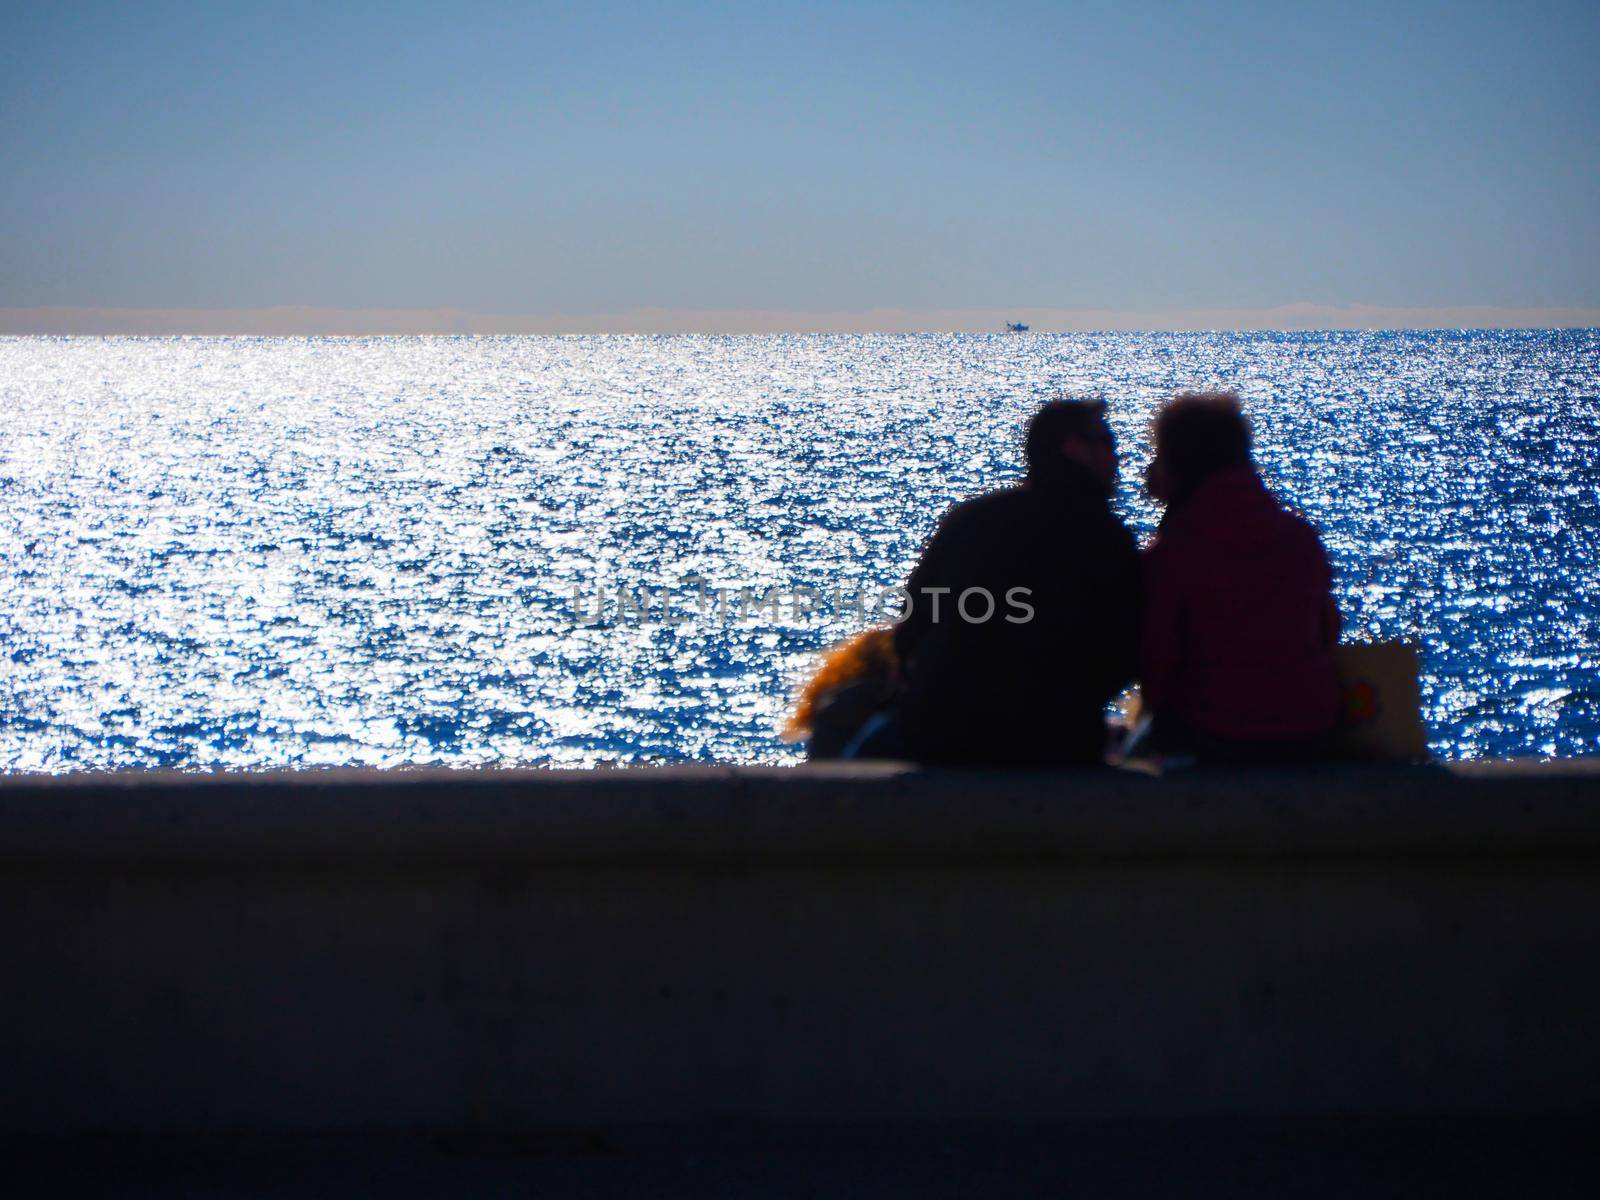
[{"x": 243, "y": 553}]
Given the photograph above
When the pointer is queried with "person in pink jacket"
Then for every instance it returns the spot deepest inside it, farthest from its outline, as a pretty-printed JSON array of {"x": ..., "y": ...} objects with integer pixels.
[{"x": 1239, "y": 624}]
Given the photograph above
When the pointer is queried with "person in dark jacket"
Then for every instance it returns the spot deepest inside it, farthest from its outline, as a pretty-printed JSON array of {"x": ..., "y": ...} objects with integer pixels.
[
  {"x": 1236, "y": 659},
  {"x": 1022, "y": 616}
]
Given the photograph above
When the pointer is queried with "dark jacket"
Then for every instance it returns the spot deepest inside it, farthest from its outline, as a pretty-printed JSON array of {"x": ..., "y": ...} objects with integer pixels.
[
  {"x": 1028, "y": 686},
  {"x": 1239, "y": 617}
]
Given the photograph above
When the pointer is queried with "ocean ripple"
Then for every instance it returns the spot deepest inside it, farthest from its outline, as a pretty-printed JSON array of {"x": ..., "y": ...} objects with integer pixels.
[{"x": 252, "y": 552}]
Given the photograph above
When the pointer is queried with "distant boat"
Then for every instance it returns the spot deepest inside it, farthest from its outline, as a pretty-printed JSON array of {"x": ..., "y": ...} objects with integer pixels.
[{"x": 1016, "y": 327}]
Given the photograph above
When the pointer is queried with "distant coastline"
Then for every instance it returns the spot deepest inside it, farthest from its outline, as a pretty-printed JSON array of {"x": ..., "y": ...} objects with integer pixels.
[{"x": 291, "y": 320}]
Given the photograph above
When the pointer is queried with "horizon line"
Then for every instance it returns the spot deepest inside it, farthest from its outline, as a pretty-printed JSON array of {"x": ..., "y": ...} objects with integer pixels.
[{"x": 311, "y": 321}]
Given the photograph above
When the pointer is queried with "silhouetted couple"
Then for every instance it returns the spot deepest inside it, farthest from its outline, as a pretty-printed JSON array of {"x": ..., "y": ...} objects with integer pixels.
[{"x": 1032, "y": 607}]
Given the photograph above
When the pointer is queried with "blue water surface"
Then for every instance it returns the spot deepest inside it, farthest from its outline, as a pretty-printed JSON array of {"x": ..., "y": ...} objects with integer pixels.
[{"x": 254, "y": 552}]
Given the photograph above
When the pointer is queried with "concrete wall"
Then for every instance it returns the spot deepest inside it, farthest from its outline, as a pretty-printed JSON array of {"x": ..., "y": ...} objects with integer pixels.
[{"x": 347, "y": 950}]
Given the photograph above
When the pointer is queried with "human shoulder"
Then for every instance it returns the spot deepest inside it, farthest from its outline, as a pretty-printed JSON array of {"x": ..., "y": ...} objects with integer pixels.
[
  {"x": 1301, "y": 528},
  {"x": 987, "y": 506}
]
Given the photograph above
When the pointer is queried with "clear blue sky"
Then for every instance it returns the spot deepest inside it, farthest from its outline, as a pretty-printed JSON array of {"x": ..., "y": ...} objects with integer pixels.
[{"x": 595, "y": 157}]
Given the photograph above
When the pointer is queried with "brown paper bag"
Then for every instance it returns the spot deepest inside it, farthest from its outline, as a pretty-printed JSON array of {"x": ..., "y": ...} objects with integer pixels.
[{"x": 1382, "y": 720}]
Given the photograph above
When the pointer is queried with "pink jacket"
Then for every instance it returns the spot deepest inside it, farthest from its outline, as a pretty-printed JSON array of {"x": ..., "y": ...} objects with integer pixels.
[{"x": 1239, "y": 617}]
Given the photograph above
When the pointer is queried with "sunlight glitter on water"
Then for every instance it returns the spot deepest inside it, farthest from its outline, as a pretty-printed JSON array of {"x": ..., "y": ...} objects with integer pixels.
[{"x": 245, "y": 552}]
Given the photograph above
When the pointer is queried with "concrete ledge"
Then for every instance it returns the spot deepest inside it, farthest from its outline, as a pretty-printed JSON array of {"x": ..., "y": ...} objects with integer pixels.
[
  {"x": 355, "y": 950},
  {"x": 835, "y": 813}
]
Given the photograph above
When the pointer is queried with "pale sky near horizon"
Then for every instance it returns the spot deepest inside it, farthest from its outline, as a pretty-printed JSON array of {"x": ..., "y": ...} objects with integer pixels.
[{"x": 603, "y": 158}]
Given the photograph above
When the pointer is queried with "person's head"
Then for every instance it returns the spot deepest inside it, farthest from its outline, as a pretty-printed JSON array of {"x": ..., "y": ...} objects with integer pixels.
[
  {"x": 1196, "y": 434},
  {"x": 1065, "y": 436}
]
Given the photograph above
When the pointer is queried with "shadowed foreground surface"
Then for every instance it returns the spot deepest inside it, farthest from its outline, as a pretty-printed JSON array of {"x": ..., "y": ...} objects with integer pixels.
[
  {"x": 854, "y": 980},
  {"x": 1305, "y": 1157}
]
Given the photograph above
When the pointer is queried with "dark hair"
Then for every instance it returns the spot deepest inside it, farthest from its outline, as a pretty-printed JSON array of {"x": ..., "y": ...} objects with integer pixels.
[
  {"x": 1198, "y": 434},
  {"x": 1054, "y": 423}
]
